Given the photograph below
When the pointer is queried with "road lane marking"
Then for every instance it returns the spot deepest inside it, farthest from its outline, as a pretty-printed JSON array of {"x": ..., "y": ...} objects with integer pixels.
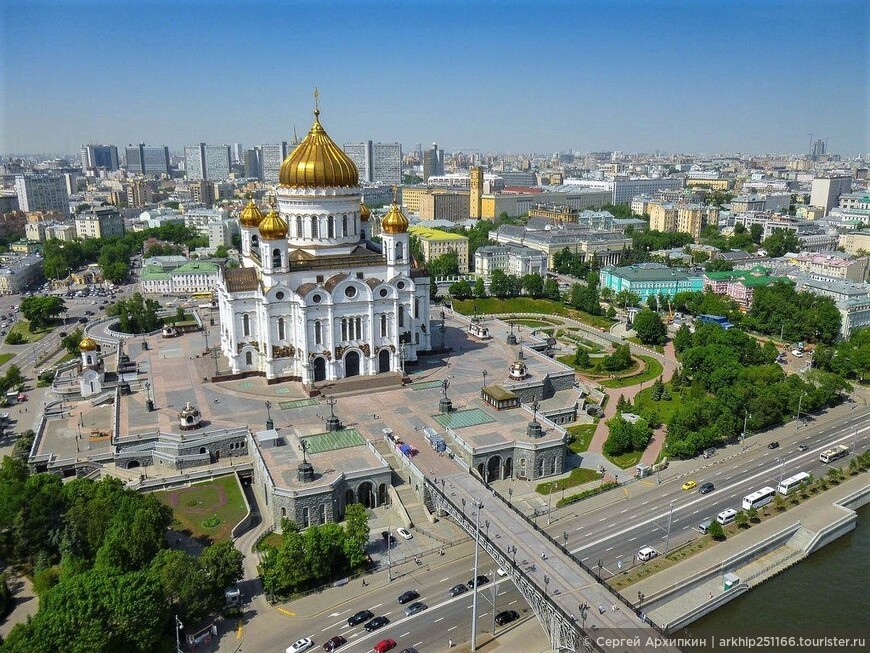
[
  {"x": 451, "y": 628},
  {"x": 633, "y": 539},
  {"x": 376, "y": 606},
  {"x": 512, "y": 602},
  {"x": 287, "y": 612},
  {"x": 405, "y": 634},
  {"x": 443, "y": 579},
  {"x": 239, "y": 631},
  {"x": 438, "y": 619}
]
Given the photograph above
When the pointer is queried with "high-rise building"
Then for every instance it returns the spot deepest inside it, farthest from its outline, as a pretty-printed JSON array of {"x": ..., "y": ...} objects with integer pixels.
[
  {"x": 819, "y": 149},
  {"x": 271, "y": 158},
  {"x": 99, "y": 156},
  {"x": 377, "y": 162},
  {"x": 148, "y": 161},
  {"x": 825, "y": 191},
  {"x": 238, "y": 153},
  {"x": 140, "y": 192},
  {"x": 207, "y": 162},
  {"x": 42, "y": 192},
  {"x": 253, "y": 163},
  {"x": 433, "y": 162}
]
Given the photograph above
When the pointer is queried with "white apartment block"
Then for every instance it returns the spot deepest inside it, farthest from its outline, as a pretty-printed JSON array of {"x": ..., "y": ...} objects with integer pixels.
[
  {"x": 222, "y": 232},
  {"x": 624, "y": 190},
  {"x": 510, "y": 259},
  {"x": 826, "y": 191},
  {"x": 42, "y": 192},
  {"x": 377, "y": 162},
  {"x": 200, "y": 219}
]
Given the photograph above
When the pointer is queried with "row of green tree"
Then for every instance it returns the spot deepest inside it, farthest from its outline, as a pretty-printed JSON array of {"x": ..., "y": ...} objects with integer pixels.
[
  {"x": 729, "y": 376},
  {"x": 625, "y": 436},
  {"x": 322, "y": 553},
  {"x": 504, "y": 285},
  {"x": 848, "y": 358},
  {"x": 105, "y": 579},
  {"x": 113, "y": 254}
]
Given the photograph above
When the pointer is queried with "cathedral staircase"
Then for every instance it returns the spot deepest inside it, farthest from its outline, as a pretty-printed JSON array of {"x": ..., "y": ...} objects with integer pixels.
[{"x": 357, "y": 385}]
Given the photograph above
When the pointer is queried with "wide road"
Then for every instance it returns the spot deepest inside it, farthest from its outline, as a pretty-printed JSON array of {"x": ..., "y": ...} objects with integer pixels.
[
  {"x": 613, "y": 533},
  {"x": 446, "y": 617}
]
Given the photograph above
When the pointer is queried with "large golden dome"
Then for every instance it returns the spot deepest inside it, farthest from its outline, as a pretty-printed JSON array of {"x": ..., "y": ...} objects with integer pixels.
[
  {"x": 395, "y": 221},
  {"x": 317, "y": 162},
  {"x": 364, "y": 212},
  {"x": 251, "y": 215},
  {"x": 273, "y": 226},
  {"x": 87, "y": 344}
]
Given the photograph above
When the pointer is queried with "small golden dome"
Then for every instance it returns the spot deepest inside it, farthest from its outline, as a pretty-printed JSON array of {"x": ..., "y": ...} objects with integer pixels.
[
  {"x": 317, "y": 162},
  {"x": 273, "y": 226},
  {"x": 395, "y": 221},
  {"x": 87, "y": 344},
  {"x": 364, "y": 212},
  {"x": 251, "y": 215}
]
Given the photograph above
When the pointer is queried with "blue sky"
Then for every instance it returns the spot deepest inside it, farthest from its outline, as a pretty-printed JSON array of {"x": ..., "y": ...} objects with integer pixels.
[{"x": 691, "y": 76}]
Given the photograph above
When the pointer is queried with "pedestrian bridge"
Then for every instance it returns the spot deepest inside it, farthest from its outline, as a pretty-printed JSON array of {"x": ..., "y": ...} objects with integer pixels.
[{"x": 578, "y": 612}]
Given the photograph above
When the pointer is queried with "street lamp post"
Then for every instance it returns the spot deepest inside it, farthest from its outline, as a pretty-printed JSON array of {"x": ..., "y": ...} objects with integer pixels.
[
  {"x": 479, "y": 505},
  {"x": 510, "y": 496},
  {"x": 484, "y": 372},
  {"x": 670, "y": 519},
  {"x": 178, "y": 628},
  {"x": 546, "y": 585},
  {"x": 389, "y": 557},
  {"x": 565, "y": 537},
  {"x": 746, "y": 416},
  {"x": 549, "y": 501},
  {"x": 781, "y": 469},
  {"x": 513, "y": 550},
  {"x": 640, "y": 597}
]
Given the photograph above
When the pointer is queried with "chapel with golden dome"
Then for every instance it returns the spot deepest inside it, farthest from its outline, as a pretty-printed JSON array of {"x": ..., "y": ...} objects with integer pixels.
[{"x": 315, "y": 299}]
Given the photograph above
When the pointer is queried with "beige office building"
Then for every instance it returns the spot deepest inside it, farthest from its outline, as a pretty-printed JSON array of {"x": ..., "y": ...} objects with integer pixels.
[{"x": 435, "y": 243}]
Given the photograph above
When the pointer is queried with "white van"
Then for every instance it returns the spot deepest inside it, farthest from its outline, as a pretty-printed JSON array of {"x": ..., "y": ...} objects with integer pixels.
[
  {"x": 704, "y": 526},
  {"x": 646, "y": 553},
  {"x": 726, "y": 516}
]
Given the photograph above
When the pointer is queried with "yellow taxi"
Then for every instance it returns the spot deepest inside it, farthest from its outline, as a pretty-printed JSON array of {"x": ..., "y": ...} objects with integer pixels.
[{"x": 689, "y": 485}]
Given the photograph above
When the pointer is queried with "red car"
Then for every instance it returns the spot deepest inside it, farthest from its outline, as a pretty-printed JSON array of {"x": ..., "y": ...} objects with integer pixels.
[{"x": 385, "y": 645}]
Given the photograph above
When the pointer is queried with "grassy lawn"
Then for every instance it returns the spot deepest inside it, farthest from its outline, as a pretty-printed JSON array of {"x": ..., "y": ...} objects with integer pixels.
[
  {"x": 659, "y": 349},
  {"x": 663, "y": 410},
  {"x": 568, "y": 359},
  {"x": 271, "y": 540},
  {"x": 208, "y": 510},
  {"x": 67, "y": 357},
  {"x": 653, "y": 370},
  {"x": 528, "y": 305},
  {"x": 5, "y": 358},
  {"x": 625, "y": 460},
  {"x": 578, "y": 476},
  {"x": 660, "y": 563},
  {"x": 535, "y": 323},
  {"x": 582, "y": 436},
  {"x": 23, "y": 327}
]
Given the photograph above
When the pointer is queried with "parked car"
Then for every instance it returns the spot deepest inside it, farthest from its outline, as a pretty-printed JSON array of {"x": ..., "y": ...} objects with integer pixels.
[
  {"x": 414, "y": 608},
  {"x": 706, "y": 488},
  {"x": 359, "y": 617},
  {"x": 410, "y": 649},
  {"x": 334, "y": 643},
  {"x": 456, "y": 590},
  {"x": 506, "y": 617},
  {"x": 300, "y": 645},
  {"x": 377, "y": 622},
  {"x": 689, "y": 485},
  {"x": 385, "y": 645},
  {"x": 797, "y": 354},
  {"x": 410, "y": 595},
  {"x": 481, "y": 580},
  {"x": 404, "y": 533},
  {"x": 773, "y": 445}
]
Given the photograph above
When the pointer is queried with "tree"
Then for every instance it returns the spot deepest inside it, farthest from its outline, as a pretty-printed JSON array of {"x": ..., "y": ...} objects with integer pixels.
[
  {"x": 658, "y": 389},
  {"x": 585, "y": 298},
  {"x": 137, "y": 315},
  {"x": 682, "y": 338},
  {"x": 649, "y": 328},
  {"x": 718, "y": 265},
  {"x": 222, "y": 565},
  {"x": 533, "y": 284},
  {"x": 619, "y": 360},
  {"x": 357, "y": 534},
  {"x": 499, "y": 284},
  {"x": 479, "y": 287},
  {"x": 756, "y": 231},
  {"x": 551, "y": 289},
  {"x": 460, "y": 289},
  {"x": 716, "y": 531},
  {"x": 780, "y": 242},
  {"x": 41, "y": 310},
  {"x": 181, "y": 578},
  {"x": 446, "y": 265},
  {"x": 71, "y": 341},
  {"x": 581, "y": 358},
  {"x": 611, "y": 313},
  {"x": 741, "y": 519},
  {"x": 221, "y": 251}
]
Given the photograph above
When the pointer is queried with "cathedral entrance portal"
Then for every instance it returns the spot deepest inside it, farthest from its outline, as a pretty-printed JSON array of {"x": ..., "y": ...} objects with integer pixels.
[
  {"x": 351, "y": 364},
  {"x": 319, "y": 369},
  {"x": 384, "y": 361}
]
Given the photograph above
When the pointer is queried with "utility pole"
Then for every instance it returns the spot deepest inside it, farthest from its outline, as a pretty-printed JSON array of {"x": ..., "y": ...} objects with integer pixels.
[
  {"x": 178, "y": 628},
  {"x": 479, "y": 505},
  {"x": 494, "y": 597},
  {"x": 670, "y": 519},
  {"x": 746, "y": 416},
  {"x": 781, "y": 469},
  {"x": 797, "y": 419}
]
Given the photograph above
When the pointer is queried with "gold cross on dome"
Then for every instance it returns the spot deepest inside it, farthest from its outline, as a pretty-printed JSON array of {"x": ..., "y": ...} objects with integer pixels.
[{"x": 316, "y": 101}]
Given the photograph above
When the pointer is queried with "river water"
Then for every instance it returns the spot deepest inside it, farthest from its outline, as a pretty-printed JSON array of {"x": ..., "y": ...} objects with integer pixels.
[{"x": 824, "y": 595}]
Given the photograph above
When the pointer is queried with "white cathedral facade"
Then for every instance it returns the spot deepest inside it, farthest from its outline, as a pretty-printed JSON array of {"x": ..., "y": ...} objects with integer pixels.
[{"x": 315, "y": 299}]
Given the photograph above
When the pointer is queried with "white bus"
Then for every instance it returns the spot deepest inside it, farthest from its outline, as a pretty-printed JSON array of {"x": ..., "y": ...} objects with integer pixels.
[
  {"x": 792, "y": 483},
  {"x": 830, "y": 455},
  {"x": 760, "y": 498}
]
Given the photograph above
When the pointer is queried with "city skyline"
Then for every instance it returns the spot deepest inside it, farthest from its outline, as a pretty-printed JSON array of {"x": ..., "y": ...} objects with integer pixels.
[{"x": 555, "y": 76}]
